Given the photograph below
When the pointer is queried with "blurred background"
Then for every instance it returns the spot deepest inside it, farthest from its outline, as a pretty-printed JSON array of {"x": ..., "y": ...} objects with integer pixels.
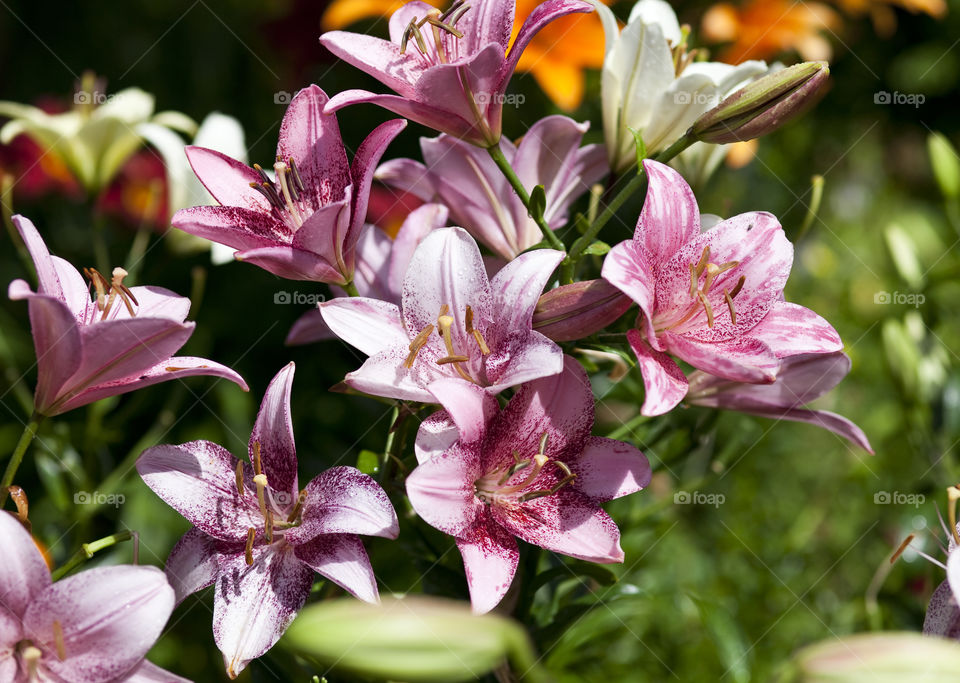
[{"x": 785, "y": 535}]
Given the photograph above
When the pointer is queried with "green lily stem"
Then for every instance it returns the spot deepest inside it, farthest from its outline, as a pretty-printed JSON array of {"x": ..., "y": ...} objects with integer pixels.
[
  {"x": 351, "y": 289},
  {"x": 501, "y": 161},
  {"x": 29, "y": 432},
  {"x": 88, "y": 550}
]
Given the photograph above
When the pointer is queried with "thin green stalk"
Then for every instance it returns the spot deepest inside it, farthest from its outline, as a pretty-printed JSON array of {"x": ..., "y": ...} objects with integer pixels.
[
  {"x": 88, "y": 550},
  {"x": 501, "y": 161},
  {"x": 351, "y": 289},
  {"x": 29, "y": 432},
  {"x": 816, "y": 195}
]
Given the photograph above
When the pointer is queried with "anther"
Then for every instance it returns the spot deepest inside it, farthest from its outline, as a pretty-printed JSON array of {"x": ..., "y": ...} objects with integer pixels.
[
  {"x": 452, "y": 359},
  {"x": 296, "y": 175},
  {"x": 694, "y": 281},
  {"x": 417, "y": 344},
  {"x": 240, "y": 478},
  {"x": 292, "y": 517},
  {"x": 257, "y": 468},
  {"x": 738, "y": 287},
  {"x": 704, "y": 259},
  {"x": 903, "y": 546},
  {"x": 733, "y": 311},
  {"x": 58, "y": 640},
  {"x": 481, "y": 342},
  {"x": 706, "y": 307},
  {"x": 19, "y": 497},
  {"x": 248, "y": 550}
]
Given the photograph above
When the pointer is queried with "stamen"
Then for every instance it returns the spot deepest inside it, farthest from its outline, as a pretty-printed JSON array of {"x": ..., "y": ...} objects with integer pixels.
[
  {"x": 417, "y": 344},
  {"x": 516, "y": 467},
  {"x": 19, "y": 497},
  {"x": 738, "y": 287},
  {"x": 268, "y": 525},
  {"x": 733, "y": 311},
  {"x": 704, "y": 259},
  {"x": 257, "y": 468},
  {"x": 444, "y": 323},
  {"x": 569, "y": 476},
  {"x": 543, "y": 444},
  {"x": 694, "y": 281},
  {"x": 481, "y": 342},
  {"x": 706, "y": 307},
  {"x": 298, "y": 506},
  {"x": 248, "y": 550},
  {"x": 58, "y": 640},
  {"x": 99, "y": 283},
  {"x": 903, "y": 546},
  {"x": 280, "y": 169},
  {"x": 296, "y": 175},
  {"x": 240, "y": 478},
  {"x": 452, "y": 359}
]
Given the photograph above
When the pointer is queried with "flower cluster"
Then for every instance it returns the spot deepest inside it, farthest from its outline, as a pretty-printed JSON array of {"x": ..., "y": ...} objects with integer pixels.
[{"x": 473, "y": 316}]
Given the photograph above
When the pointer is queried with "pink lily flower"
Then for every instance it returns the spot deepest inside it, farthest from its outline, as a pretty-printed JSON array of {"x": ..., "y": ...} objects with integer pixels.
[
  {"x": 800, "y": 380},
  {"x": 530, "y": 471},
  {"x": 95, "y": 626},
  {"x": 712, "y": 298},
  {"x": 453, "y": 321},
  {"x": 257, "y": 535},
  {"x": 943, "y": 612},
  {"x": 450, "y": 69},
  {"x": 304, "y": 222},
  {"x": 121, "y": 340},
  {"x": 381, "y": 264},
  {"x": 465, "y": 178}
]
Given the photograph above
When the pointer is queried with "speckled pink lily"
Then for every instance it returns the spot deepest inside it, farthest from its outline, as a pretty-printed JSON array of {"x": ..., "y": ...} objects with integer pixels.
[
  {"x": 480, "y": 199},
  {"x": 381, "y": 265},
  {"x": 259, "y": 537},
  {"x": 92, "y": 627},
  {"x": 452, "y": 322},
  {"x": 800, "y": 380},
  {"x": 121, "y": 340},
  {"x": 531, "y": 471},
  {"x": 450, "y": 70},
  {"x": 712, "y": 298},
  {"x": 302, "y": 223}
]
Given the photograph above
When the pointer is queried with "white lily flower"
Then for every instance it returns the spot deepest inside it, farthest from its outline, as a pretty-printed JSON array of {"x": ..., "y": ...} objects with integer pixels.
[
  {"x": 218, "y": 132},
  {"x": 651, "y": 84},
  {"x": 97, "y": 136}
]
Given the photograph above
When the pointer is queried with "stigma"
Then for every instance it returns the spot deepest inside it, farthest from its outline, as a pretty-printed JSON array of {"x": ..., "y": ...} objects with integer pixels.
[{"x": 108, "y": 291}]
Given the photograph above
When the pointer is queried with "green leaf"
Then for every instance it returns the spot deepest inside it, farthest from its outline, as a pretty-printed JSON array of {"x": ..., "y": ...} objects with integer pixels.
[
  {"x": 641, "y": 147},
  {"x": 727, "y": 637},
  {"x": 368, "y": 462},
  {"x": 598, "y": 248},
  {"x": 538, "y": 203},
  {"x": 945, "y": 163}
]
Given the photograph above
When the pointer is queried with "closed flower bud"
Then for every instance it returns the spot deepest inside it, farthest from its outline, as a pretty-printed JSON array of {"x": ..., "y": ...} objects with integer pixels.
[
  {"x": 575, "y": 311},
  {"x": 762, "y": 106}
]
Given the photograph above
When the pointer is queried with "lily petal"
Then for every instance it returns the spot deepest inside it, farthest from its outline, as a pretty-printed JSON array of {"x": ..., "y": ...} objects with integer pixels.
[
  {"x": 664, "y": 382},
  {"x": 292, "y": 264},
  {"x": 441, "y": 490},
  {"x": 273, "y": 432},
  {"x": 470, "y": 407},
  {"x": 194, "y": 562},
  {"x": 609, "y": 469},
  {"x": 670, "y": 216},
  {"x": 342, "y": 559},
  {"x": 490, "y": 558},
  {"x": 743, "y": 360},
  {"x": 792, "y": 330},
  {"x": 361, "y": 171},
  {"x": 369, "y": 325},
  {"x": 628, "y": 269},
  {"x": 233, "y": 226},
  {"x": 145, "y": 672},
  {"x": 23, "y": 573},
  {"x": 518, "y": 286},
  {"x": 227, "y": 179}
]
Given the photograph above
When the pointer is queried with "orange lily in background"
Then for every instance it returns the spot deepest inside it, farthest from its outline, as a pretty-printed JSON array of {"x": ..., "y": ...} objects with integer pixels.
[
  {"x": 882, "y": 14},
  {"x": 762, "y": 29},
  {"x": 557, "y": 56}
]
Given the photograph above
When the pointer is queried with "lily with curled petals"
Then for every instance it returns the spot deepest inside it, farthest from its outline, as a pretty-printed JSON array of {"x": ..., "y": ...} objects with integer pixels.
[
  {"x": 482, "y": 201},
  {"x": 93, "y": 627},
  {"x": 530, "y": 471},
  {"x": 381, "y": 265},
  {"x": 712, "y": 298},
  {"x": 450, "y": 69},
  {"x": 452, "y": 322},
  {"x": 652, "y": 85},
  {"x": 257, "y": 535},
  {"x": 303, "y": 222},
  {"x": 121, "y": 340},
  {"x": 800, "y": 380}
]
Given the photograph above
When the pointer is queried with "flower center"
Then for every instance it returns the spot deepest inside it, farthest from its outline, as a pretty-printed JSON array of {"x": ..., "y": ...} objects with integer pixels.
[
  {"x": 270, "y": 506},
  {"x": 108, "y": 291},
  {"x": 445, "y": 323},
  {"x": 495, "y": 488},
  {"x": 698, "y": 292},
  {"x": 285, "y": 194},
  {"x": 439, "y": 24}
]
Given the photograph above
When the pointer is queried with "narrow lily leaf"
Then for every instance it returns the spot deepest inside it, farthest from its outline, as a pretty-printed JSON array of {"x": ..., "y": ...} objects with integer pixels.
[
  {"x": 732, "y": 648},
  {"x": 641, "y": 147}
]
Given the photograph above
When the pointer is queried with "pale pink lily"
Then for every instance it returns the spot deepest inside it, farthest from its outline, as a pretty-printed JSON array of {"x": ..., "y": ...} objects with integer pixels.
[
  {"x": 452, "y": 322},
  {"x": 381, "y": 265},
  {"x": 92, "y": 627},
  {"x": 480, "y": 199},
  {"x": 530, "y": 471},
  {"x": 800, "y": 380},
  {"x": 943, "y": 612},
  {"x": 302, "y": 223},
  {"x": 712, "y": 298},
  {"x": 120, "y": 340},
  {"x": 450, "y": 70},
  {"x": 259, "y": 537}
]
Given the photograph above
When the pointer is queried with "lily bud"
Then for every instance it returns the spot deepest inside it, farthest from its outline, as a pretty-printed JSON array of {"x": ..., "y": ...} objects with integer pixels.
[
  {"x": 575, "y": 311},
  {"x": 411, "y": 639},
  {"x": 888, "y": 656},
  {"x": 762, "y": 106}
]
